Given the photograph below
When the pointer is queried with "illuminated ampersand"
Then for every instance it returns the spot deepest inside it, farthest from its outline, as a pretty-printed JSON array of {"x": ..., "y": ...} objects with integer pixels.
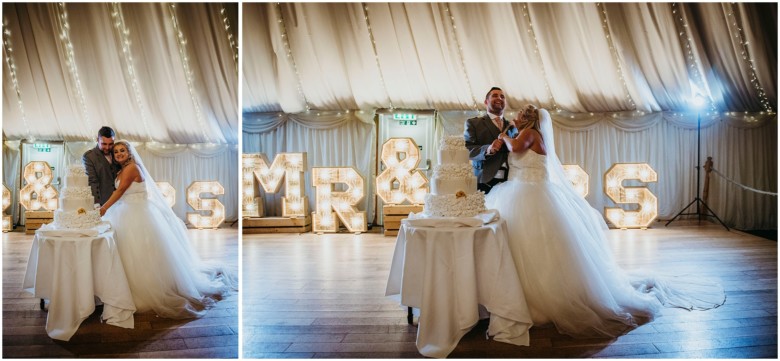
[
  {"x": 6, "y": 203},
  {"x": 168, "y": 192},
  {"x": 213, "y": 205},
  {"x": 343, "y": 203},
  {"x": 578, "y": 178},
  {"x": 38, "y": 176},
  {"x": 289, "y": 166},
  {"x": 411, "y": 182},
  {"x": 620, "y": 194}
]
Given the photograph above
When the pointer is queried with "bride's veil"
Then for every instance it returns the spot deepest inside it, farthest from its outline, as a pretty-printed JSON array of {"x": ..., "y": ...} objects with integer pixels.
[
  {"x": 558, "y": 174},
  {"x": 154, "y": 195}
]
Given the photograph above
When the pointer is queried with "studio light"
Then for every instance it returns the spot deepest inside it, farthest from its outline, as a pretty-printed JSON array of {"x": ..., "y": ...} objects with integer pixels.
[{"x": 702, "y": 209}]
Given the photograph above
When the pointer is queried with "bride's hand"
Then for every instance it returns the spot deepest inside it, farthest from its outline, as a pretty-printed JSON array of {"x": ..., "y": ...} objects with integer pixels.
[{"x": 102, "y": 211}]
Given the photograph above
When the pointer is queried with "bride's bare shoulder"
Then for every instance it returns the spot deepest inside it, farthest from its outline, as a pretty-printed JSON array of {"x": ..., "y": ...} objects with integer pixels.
[{"x": 131, "y": 172}]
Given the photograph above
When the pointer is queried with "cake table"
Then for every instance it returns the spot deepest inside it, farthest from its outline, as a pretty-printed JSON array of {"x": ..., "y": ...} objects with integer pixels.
[
  {"x": 70, "y": 271},
  {"x": 447, "y": 272}
]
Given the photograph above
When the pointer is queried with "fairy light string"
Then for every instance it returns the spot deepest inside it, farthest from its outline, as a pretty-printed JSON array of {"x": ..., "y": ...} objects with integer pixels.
[
  {"x": 8, "y": 50},
  {"x": 376, "y": 55},
  {"x": 736, "y": 28},
  {"x": 231, "y": 40},
  {"x": 70, "y": 61},
  {"x": 124, "y": 37},
  {"x": 538, "y": 53},
  {"x": 189, "y": 76},
  {"x": 288, "y": 50},
  {"x": 613, "y": 50},
  {"x": 453, "y": 30}
]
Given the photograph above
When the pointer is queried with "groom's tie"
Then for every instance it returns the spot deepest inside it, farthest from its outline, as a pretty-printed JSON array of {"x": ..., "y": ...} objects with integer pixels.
[
  {"x": 499, "y": 123},
  {"x": 501, "y": 174}
]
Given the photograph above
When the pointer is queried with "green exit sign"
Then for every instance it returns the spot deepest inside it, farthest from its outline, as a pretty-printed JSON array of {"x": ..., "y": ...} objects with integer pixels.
[
  {"x": 42, "y": 147},
  {"x": 407, "y": 122},
  {"x": 403, "y": 116}
]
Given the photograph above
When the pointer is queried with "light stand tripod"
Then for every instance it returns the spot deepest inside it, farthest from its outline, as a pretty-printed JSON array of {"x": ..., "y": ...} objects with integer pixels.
[{"x": 702, "y": 208}]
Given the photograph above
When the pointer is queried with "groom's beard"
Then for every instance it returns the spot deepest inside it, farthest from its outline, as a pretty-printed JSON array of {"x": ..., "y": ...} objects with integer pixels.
[
  {"x": 497, "y": 107},
  {"x": 496, "y": 110}
]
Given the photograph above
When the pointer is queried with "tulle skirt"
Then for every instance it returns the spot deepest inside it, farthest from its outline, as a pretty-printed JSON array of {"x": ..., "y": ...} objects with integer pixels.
[
  {"x": 567, "y": 269},
  {"x": 164, "y": 272}
]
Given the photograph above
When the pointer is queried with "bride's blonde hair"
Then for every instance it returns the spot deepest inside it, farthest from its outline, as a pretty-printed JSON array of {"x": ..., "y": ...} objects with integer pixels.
[{"x": 530, "y": 115}]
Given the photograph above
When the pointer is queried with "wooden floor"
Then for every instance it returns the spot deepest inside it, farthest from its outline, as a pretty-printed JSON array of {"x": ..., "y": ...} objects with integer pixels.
[
  {"x": 310, "y": 296},
  {"x": 213, "y": 336}
]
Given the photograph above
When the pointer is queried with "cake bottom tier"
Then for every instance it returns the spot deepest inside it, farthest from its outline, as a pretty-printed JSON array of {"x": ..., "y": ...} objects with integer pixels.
[
  {"x": 76, "y": 219},
  {"x": 450, "y": 205}
]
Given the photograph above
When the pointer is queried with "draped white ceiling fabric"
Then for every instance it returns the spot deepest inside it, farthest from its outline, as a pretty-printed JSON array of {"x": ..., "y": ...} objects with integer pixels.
[
  {"x": 619, "y": 79},
  {"x": 154, "y": 72},
  {"x": 579, "y": 57}
]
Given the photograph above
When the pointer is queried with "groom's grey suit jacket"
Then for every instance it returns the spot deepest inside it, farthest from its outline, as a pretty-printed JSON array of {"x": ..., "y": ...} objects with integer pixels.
[
  {"x": 101, "y": 174},
  {"x": 479, "y": 133}
]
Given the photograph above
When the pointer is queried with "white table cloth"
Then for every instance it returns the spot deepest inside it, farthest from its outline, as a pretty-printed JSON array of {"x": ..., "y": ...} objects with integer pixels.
[
  {"x": 447, "y": 273},
  {"x": 70, "y": 272}
]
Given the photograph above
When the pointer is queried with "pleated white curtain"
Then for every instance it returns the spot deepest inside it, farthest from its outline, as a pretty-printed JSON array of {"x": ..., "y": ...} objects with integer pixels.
[
  {"x": 11, "y": 155},
  {"x": 183, "y": 165}
]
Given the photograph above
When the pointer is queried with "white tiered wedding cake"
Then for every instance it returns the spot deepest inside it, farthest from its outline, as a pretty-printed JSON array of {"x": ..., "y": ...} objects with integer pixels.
[
  {"x": 453, "y": 185},
  {"x": 77, "y": 205}
]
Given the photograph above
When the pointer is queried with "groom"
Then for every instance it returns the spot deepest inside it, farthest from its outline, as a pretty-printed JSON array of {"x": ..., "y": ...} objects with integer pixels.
[
  {"x": 488, "y": 154},
  {"x": 100, "y": 166}
]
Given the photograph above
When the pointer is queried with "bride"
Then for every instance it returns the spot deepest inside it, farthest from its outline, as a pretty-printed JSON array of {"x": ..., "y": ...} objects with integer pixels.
[
  {"x": 566, "y": 267},
  {"x": 164, "y": 272}
]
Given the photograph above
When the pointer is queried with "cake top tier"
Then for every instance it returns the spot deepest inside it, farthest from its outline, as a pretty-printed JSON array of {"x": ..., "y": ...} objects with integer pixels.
[
  {"x": 452, "y": 142},
  {"x": 77, "y": 169}
]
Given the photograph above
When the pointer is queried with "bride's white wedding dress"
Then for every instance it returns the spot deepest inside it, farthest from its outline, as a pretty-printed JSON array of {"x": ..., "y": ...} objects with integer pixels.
[
  {"x": 164, "y": 272},
  {"x": 565, "y": 264}
]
